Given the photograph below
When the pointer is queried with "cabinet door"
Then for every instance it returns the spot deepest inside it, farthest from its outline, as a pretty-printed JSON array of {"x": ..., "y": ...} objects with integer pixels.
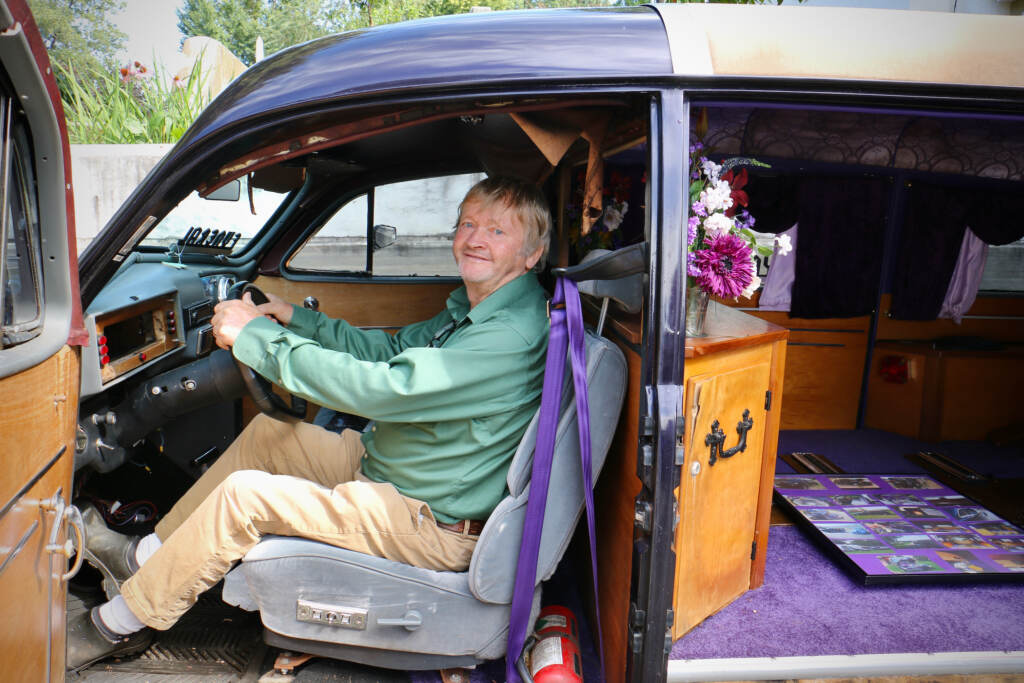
[{"x": 718, "y": 490}]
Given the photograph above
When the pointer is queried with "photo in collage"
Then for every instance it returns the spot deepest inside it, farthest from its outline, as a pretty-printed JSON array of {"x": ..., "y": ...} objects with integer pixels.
[{"x": 902, "y": 528}]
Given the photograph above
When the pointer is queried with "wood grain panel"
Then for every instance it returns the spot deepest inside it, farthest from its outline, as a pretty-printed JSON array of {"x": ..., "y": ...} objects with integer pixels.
[
  {"x": 824, "y": 367},
  {"x": 893, "y": 407},
  {"x": 614, "y": 494},
  {"x": 822, "y": 386},
  {"x": 773, "y": 419},
  {"x": 38, "y": 421},
  {"x": 378, "y": 304},
  {"x": 1007, "y": 326},
  {"x": 718, "y": 503},
  {"x": 979, "y": 394}
]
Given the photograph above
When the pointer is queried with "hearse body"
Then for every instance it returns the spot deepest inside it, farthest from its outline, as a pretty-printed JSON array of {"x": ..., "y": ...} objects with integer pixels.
[{"x": 330, "y": 173}]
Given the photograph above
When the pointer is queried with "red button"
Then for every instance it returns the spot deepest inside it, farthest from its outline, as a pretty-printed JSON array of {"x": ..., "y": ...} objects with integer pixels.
[
  {"x": 104, "y": 350},
  {"x": 142, "y": 356},
  {"x": 104, "y": 360},
  {"x": 102, "y": 339}
]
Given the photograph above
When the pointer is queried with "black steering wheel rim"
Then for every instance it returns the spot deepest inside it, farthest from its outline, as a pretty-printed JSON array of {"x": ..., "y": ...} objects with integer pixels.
[{"x": 259, "y": 388}]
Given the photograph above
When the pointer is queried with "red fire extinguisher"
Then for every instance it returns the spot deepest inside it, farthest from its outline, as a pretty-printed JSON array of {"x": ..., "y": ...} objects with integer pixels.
[{"x": 554, "y": 652}]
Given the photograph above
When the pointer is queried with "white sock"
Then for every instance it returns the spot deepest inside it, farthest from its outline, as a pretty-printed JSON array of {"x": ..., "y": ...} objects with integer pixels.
[
  {"x": 116, "y": 616},
  {"x": 146, "y": 547}
]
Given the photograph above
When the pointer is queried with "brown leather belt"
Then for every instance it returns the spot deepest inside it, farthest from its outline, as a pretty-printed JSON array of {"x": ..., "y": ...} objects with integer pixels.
[{"x": 466, "y": 527}]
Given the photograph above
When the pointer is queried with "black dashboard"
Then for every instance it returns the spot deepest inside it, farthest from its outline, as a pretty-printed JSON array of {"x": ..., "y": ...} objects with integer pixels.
[{"x": 151, "y": 358}]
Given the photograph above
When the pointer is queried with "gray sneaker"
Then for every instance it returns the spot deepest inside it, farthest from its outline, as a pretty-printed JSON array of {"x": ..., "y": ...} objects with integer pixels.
[
  {"x": 89, "y": 640},
  {"x": 113, "y": 554}
]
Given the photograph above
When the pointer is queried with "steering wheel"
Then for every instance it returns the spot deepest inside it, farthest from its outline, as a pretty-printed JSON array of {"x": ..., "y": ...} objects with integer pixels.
[{"x": 259, "y": 387}]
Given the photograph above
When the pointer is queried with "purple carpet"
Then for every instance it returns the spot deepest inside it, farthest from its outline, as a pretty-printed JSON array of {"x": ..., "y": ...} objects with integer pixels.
[
  {"x": 871, "y": 450},
  {"x": 808, "y": 606}
]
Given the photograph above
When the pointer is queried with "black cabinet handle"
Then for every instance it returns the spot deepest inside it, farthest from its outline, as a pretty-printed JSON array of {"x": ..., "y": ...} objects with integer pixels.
[{"x": 716, "y": 439}]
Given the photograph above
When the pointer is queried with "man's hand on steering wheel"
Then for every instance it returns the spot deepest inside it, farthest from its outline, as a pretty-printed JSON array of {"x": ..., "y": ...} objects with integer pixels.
[
  {"x": 230, "y": 316},
  {"x": 247, "y": 303}
]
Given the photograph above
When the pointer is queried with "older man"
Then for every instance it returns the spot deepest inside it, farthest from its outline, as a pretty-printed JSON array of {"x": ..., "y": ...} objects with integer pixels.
[{"x": 449, "y": 397}]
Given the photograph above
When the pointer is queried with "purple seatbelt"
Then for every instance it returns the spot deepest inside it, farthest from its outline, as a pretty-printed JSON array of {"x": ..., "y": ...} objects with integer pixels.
[{"x": 566, "y": 325}]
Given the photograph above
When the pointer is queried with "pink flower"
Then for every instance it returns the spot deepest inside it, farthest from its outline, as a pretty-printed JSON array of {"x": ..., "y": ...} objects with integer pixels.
[{"x": 725, "y": 265}]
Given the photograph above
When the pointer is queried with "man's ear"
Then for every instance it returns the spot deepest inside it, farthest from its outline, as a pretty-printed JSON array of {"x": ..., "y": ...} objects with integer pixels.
[{"x": 533, "y": 258}]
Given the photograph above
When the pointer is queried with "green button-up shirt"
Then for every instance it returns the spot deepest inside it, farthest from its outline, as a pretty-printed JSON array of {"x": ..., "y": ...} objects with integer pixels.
[{"x": 450, "y": 397}]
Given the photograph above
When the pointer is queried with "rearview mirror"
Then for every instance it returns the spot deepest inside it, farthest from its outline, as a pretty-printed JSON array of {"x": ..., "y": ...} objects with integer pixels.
[
  {"x": 229, "y": 192},
  {"x": 384, "y": 236}
]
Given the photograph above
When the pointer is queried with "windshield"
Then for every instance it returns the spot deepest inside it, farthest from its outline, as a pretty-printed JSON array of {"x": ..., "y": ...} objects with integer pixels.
[{"x": 227, "y": 210}]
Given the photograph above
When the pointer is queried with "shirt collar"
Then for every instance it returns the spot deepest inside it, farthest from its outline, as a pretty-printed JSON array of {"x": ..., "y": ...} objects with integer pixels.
[{"x": 458, "y": 301}]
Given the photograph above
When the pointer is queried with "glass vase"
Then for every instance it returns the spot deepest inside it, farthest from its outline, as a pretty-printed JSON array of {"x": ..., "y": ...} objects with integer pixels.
[{"x": 696, "y": 311}]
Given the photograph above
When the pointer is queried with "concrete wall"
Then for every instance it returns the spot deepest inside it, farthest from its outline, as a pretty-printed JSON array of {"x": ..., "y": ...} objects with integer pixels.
[{"x": 103, "y": 177}]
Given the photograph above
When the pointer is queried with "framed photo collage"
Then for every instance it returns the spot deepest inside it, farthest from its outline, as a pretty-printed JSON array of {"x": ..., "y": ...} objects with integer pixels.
[{"x": 903, "y": 528}]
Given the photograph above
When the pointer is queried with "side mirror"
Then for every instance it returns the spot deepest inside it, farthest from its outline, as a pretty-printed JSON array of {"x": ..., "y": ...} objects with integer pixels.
[
  {"x": 384, "y": 236},
  {"x": 229, "y": 192}
]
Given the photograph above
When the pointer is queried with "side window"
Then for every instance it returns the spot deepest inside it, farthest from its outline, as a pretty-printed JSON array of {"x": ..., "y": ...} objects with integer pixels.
[
  {"x": 1004, "y": 268},
  {"x": 21, "y": 300},
  {"x": 422, "y": 213}
]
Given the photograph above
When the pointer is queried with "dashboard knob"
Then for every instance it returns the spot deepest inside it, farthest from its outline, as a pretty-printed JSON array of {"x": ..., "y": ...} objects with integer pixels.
[
  {"x": 189, "y": 384},
  {"x": 311, "y": 303}
]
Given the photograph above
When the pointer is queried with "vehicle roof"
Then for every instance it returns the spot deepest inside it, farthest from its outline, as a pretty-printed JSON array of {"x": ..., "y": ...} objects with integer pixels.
[
  {"x": 845, "y": 43},
  {"x": 445, "y": 52}
]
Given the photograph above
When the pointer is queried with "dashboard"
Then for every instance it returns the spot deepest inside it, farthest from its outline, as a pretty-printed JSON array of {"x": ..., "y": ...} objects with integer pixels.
[{"x": 148, "y": 314}]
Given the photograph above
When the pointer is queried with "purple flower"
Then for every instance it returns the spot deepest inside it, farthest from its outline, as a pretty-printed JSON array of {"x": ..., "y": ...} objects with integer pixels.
[
  {"x": 691, "y": 230},
  {"x": 725, "y": 266},
  {"x": 699, "y": 209},
  {"x": 691, "y": 267}
]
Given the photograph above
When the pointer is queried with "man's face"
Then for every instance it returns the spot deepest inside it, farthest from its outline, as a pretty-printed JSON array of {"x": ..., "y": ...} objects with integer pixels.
[{"x": 489, "y": 248}]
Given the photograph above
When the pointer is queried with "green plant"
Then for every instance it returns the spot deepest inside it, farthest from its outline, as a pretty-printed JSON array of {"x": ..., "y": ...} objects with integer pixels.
[{"x": 134, "y": 105}]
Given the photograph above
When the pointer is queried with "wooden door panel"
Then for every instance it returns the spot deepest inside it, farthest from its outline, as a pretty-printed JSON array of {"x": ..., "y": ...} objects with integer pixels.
[
  {"x": 366, "y": 304},
  {"x": 37, "y": 428},
  {"x": 718, "y": 500}
]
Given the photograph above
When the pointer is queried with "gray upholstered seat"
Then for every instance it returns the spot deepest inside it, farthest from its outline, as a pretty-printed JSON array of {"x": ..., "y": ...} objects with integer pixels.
[{"x": 414, "y": 618}]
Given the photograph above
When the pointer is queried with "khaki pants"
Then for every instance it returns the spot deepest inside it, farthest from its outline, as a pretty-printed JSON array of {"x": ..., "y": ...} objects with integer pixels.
[{"x": 290, "y": 480}]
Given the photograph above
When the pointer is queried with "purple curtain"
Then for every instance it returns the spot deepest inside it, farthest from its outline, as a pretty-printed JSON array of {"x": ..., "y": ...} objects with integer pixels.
[
  {"x": 842, "y": 230},
  {"x": 778, "y": 283},
  {"x": 933, "y": 231},
  {"x": 963, "y": 285}
]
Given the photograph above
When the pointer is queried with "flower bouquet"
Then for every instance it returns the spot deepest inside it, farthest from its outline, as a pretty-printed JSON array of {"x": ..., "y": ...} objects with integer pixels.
[{"x": 720, "y": 241}]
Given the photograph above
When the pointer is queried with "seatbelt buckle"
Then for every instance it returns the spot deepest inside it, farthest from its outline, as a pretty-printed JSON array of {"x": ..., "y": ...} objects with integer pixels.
[{"x": 558, "y": 307}]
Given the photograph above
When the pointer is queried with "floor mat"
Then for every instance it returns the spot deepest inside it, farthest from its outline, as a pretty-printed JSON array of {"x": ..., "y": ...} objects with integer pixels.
[
  {"x": 212, "y": 642},
  {"x": 809, "y": 606}
]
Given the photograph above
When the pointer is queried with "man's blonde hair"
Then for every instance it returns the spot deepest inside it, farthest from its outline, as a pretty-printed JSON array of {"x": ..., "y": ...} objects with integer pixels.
[{"x": 526, "y": 200}]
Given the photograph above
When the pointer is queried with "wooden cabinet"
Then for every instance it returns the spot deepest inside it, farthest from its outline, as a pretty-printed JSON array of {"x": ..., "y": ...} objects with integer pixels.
[
  {"x": 936, "y": 394},
  {"x": 733, "y": 397},
  {"x": 724, "y": 508}
]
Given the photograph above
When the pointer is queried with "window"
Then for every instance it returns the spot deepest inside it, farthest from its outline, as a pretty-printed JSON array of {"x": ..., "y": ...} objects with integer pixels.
[
  {"x": 422, "y": 213},
  {"x": 21, "y": 298},
  {"x": 228, "y": 209},
  {"x": 1004, "y": 268}
]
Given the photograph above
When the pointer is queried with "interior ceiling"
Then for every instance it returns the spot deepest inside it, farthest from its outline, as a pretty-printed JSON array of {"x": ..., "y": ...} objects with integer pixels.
[{"x": 984, "y": 148}]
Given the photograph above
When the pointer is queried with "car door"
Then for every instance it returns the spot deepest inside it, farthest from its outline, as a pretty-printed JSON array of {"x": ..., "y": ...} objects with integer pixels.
[{"x": 40, "y": 329}]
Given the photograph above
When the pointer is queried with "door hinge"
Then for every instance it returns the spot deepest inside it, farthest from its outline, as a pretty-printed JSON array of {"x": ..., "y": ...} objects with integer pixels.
[
  {"x": 637, "y": 626},
  {"x": 642, "y": 516},
  {"x": 753, "y": 550},
  {"x": 768, "y": 400}
]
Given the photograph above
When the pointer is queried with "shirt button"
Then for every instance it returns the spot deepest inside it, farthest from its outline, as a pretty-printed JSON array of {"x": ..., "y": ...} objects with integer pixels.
[{"x": 373, "y": 428}]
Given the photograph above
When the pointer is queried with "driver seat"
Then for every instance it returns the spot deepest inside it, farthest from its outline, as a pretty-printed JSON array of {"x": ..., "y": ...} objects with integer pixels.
[{"x": 322, "y": 600}]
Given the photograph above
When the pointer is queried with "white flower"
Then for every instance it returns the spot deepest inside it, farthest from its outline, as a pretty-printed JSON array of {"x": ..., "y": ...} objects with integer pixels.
[
  {"x": 751, "y": 288},
  {"x": 613, "y": 215},
  {"x": 783, "y": 245},
  {"x": 711, "y": 170},
  {"x": 718, "y": 223},
  {"x": 717, "y": 196}
]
